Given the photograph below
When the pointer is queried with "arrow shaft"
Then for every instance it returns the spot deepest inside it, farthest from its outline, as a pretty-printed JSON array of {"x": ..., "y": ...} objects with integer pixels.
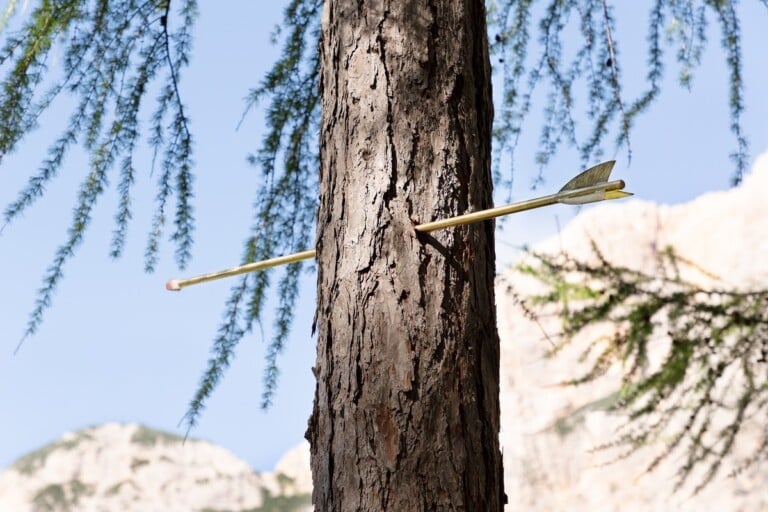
[
  {"x": 178, "y": 284},
  {"x": 530, "y": 204},
  {"x": 469, "y": 218}
]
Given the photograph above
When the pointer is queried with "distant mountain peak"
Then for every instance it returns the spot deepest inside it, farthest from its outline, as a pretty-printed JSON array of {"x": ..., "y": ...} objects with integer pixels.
[{"x": 130, "y": 467}]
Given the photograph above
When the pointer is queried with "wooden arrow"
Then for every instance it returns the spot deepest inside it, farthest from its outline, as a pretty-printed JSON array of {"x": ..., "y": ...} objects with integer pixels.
[{"x": 588, "y": 187}]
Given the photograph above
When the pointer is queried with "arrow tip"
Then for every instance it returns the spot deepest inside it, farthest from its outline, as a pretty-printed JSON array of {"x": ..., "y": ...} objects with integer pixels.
[{"x": 617, "y": 194}]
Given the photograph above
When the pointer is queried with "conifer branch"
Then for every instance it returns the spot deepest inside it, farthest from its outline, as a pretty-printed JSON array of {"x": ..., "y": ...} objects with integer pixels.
[
  {"x": 286, "y": 201},
  {"x": 731, "y": 42},
  {"x": 112, "y": 53},
  {"x": 713, "y": 341},
  {"x": 596, "y": 66}
]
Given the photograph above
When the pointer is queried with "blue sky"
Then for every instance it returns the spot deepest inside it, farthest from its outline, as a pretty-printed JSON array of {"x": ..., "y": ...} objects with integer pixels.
[{"x": 117, "y": 347}]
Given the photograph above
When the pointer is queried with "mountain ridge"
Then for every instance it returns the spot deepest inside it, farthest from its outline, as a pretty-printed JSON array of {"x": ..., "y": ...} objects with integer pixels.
[{"x": 130, "y": 467}]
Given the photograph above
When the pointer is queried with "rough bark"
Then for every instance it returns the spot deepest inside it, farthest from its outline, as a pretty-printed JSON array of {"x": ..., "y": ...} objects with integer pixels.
[{"x": 406, "y": 412}]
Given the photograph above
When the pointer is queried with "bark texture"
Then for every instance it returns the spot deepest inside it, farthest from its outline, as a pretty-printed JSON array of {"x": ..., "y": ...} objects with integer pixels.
[{"x": 406, "y": 412}]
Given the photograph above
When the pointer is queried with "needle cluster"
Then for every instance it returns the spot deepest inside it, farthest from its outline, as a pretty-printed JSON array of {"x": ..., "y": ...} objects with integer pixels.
[
  {"x": 534, "y": 62},
  {"x": 284, "y": 208},
  {"x": 693, "y": 359},
  {"x": 113, "y": 54}
]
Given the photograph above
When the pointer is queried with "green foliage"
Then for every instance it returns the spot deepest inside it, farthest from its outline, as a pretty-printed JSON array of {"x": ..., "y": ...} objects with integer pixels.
[
  {"x": 280, "y": 503},
  {"x": 150, "y": 437},
  {"x": 283, "y": 503},
  {"x": 61, "y": 497},
  {"x": 595, "y": 67},
  {"x": 137, "y": 463},
  {"x": 712, "y": 375},
  {"x": 112, "y": 52},
  {"x": 284, "y": 480},
  {"x": 115, "y": 489},
  {"x": 51, "y": 497},
  {"x": 284, "y": 206},
  {"x": 565, "y": 424},
  {"x": 35, "y": 460}
]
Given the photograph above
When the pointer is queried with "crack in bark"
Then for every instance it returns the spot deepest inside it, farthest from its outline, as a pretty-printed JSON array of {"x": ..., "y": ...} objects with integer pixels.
[
  {"x": 432, "y": 44},
  {"x": 391, "y": 192}
]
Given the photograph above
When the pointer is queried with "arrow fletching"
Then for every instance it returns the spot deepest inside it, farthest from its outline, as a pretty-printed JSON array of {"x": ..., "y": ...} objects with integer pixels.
[
  {"x": 589, "y": 178},
  {"x": 592, "y": 176}
]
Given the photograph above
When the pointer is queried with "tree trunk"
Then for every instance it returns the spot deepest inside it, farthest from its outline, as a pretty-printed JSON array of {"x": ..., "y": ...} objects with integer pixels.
[{"x": 406, "y": 411}]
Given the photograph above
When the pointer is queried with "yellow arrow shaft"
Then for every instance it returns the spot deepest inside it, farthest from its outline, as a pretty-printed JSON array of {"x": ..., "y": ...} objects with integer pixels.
[
  {"x": 469, "y": 218},
  {"x": 530, "y": 204},
  {"x": 178, "y": 284}
]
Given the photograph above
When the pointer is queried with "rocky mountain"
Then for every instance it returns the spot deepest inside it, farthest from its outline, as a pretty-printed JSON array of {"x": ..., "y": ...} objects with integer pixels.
[
  {"x": 548, "y": 431},
  {"x": 128, "y": 468}
]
